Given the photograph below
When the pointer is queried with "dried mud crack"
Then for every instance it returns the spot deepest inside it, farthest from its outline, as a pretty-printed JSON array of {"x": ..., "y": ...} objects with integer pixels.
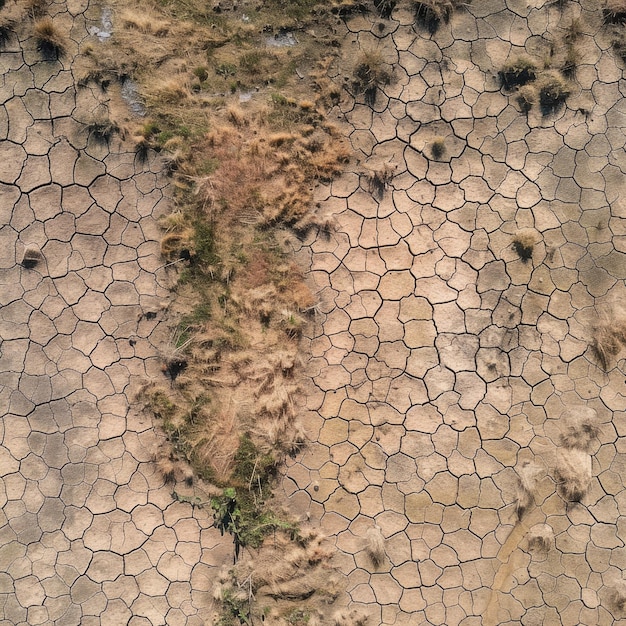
[{"x": 462, "y": 388}]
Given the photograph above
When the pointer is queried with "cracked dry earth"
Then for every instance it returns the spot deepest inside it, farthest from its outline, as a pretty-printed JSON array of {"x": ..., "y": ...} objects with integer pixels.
[
  {"x": 451, "y": 383},
  {"x": 89, "y": 534}
]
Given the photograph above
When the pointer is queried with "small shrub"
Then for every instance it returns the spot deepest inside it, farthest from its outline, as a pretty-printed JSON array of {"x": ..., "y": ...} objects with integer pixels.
[
  {"x": 518, "y": 73},
  {"x": 50, "y": 42},
  {"x": 7, "y": 30},
  {"x": 370, "y": 73},
  {"x": 526, "y": 98},
  {"x": 438, "y": 148},
  {"x": 553, "y": 91},
  {"x": 614, "y": 12}
]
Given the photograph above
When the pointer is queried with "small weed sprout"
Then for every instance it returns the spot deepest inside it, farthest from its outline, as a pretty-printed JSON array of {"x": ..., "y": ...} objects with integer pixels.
[
  {"x": 517, "y": 73},
  {"x": 370, "y": 73},
  {"x": 438, "y": 148},
  {"x": 49, "y": 40}
]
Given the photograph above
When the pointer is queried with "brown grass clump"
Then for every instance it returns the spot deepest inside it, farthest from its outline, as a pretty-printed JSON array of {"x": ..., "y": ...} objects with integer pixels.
[
  {"x": 614, "y": 12},
  {"x": 607, "y": 341},
  {"x": 144, "y": 23},
  {"x": 430, "y": 14},
  {"x": 50, "y": 42},
  {"x": 370, "y": 73}
]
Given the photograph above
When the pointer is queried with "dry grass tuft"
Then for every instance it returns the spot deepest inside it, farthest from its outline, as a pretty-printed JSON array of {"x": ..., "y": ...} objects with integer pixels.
[
  {"x": 375, "y": 546},
  {"x": 379, "y": 179},
  {"x": 527, "y": 478},
  {"x": 370, "y": 73},
  {"x": 572, "y": 473},
  {"x": 518, "y": 72},
  {"x": 526, "y": 98},
  {"x": 608, "y": 338},
  {"x": 430, "y": 14},
  {"x": 50, "y": 42},
  {"x": 171, "y": 468},
  {"x": 614, "y": 12},
  {"x": 580, "y": 429},
  {"x": 37, "y": 8},
  {"x": 540, "y": 538},
  {"x": 553, "y": 91},
  {"x": 144, "y": 23}
]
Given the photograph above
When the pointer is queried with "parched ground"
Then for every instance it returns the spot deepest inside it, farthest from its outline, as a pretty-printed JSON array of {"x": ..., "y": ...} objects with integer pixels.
[
  {"x": 89, "y": 532},
  {"x": 453, "y": 390},
  {"x": 465, "y": 392}
]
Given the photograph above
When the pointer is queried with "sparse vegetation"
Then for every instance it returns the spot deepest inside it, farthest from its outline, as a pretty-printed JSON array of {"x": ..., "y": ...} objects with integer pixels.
[
  {"x": 526, "y": 98},
  {"x": 517, "y": 73},
  {"x": 553, "y": 91},
  {"x": 430, "y": 14},
  {"x": 102, "y": 130},
  {"x": 379, "y": 179},
  {"x": 607, "y": 341},
  {"x": 385, "y": 7},
  {"x": 370, "y": 73},
  {"x": 572, "y": 473},
  {"x": 614, "y": 12},
  {"x": 572, "y": 59},
  {"x": 50, "y": 42}
]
